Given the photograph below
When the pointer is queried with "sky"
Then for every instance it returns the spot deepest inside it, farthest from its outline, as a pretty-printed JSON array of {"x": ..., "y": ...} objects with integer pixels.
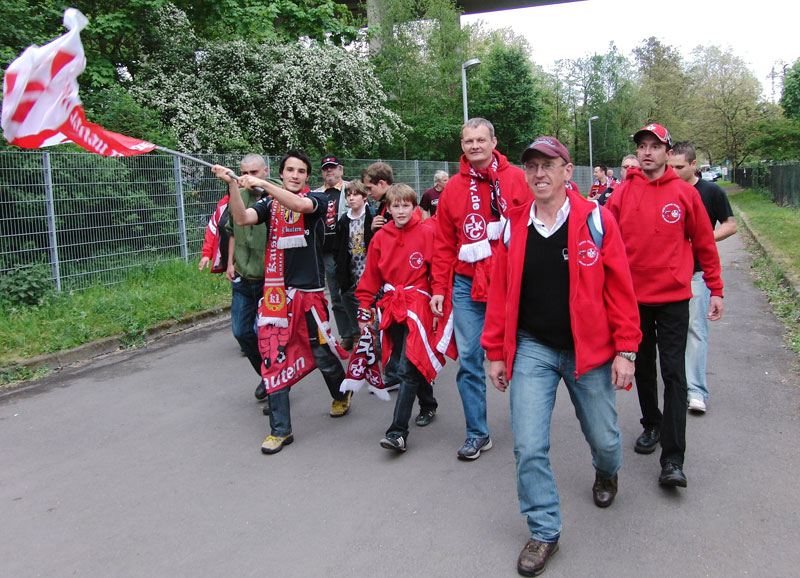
[{"x": 760, "y": 33}]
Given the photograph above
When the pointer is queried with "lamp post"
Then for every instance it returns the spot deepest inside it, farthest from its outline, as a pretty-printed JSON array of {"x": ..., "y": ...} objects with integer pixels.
[
  {"x": 472, "y": 63},
  {"x": 591, "y": 162}
]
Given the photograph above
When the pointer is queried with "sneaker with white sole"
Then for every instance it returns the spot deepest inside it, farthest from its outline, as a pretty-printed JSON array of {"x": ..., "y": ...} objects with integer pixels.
[
  {"x": 696, "y": 404},
  {"x": 394, "y": 442},
  {"x": 472, "y": 448}
]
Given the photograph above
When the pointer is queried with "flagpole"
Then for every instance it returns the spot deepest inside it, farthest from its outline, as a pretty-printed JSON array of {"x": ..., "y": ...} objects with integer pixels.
[{"x": 202, "y": 162}]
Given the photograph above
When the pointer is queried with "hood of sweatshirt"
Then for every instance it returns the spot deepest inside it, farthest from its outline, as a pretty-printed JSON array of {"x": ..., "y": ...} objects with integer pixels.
[{"x": 400, "y": 234}]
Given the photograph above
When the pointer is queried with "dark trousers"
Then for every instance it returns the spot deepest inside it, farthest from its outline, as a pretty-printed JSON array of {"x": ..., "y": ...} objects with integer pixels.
[
  {"x": 244, "y": 308},
  {"x": 664, "y": 327},
  {"x": 412, "y": 384},
  {"x": 327, "y": 362}
]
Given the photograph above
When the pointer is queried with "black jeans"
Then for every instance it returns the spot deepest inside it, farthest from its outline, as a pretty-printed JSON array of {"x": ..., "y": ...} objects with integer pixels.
[
  {"x": 664, "y": 326},
  {"x": 412, "y": 384}
]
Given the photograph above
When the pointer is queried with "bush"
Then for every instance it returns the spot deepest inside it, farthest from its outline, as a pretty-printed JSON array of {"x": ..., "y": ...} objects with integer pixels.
[{"x": 26, "y": 285}]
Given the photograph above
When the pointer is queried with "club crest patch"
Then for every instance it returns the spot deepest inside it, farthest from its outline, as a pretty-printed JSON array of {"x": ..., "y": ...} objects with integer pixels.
[
  {"x": 588, "y": 253},
  {"x": 671, "y": 213}
]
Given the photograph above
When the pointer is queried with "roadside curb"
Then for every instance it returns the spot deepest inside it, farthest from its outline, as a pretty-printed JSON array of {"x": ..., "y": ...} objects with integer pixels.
[
  {"x": 792, "y": 281},
  {"x": 116, "y": 343}
]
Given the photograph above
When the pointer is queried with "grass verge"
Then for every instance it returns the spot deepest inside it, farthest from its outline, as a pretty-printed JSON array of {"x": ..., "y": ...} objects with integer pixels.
[
  {"x": 777, "y": 268},
  {"x": 149, "y": 296}
]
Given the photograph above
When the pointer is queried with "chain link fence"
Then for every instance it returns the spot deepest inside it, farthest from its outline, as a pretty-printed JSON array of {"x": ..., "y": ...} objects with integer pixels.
[
  {"x": 782, "y": 180},
  {"x": 90, "y": 218}
]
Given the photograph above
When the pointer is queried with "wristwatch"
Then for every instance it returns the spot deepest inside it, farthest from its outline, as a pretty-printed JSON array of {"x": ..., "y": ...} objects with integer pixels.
[{"x": 629, "y": 355}]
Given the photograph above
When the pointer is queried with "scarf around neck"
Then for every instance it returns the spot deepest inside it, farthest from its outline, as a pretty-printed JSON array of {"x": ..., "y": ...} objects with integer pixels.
[{"x": 481, "y": 225}]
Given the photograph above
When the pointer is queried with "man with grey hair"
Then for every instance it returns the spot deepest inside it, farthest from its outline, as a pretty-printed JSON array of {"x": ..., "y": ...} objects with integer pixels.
[
  {"x": 245, "y": 271},
  {"x": 467, "y": 233},
  {"x": 430, "y": 198}
]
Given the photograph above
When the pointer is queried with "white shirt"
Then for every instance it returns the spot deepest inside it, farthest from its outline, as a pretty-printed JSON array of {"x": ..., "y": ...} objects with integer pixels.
[{"x": 541, "y": 228}]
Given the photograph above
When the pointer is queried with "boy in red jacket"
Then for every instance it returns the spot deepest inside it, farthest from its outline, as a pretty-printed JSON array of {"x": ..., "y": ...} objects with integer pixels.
[{"x": 398, "y": 260}]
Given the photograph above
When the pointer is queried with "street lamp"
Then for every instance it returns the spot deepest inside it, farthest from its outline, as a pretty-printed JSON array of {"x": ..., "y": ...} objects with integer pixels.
[
  {"x": 472, "y": 63},
  {"x": 591, "y": 163}
]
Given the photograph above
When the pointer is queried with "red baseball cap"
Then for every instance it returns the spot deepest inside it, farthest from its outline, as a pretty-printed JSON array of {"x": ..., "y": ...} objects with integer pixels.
[
  {"x": 549, "y": 146},
  {"x": 660, "y": 132},
  {"x": 330, "y": 161}
]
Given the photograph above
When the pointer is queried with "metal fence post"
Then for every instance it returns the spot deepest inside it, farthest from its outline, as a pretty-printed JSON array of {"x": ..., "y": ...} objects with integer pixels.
[
  {"x": 416, "y": 178},
  {"x": 176, "y": 163},
  {"x": 51, "y": 219}
]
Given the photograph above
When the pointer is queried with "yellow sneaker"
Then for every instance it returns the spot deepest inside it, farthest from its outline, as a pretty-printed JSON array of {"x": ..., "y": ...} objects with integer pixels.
[
  {"x": 274, "y": 444},
  {"x": 340, "y": 408}
]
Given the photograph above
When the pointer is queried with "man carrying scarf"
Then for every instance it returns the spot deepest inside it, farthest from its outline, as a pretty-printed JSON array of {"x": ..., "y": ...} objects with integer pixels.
[
  {"x": 467, "y": 232},
  {"x": 294, "y": 332}
]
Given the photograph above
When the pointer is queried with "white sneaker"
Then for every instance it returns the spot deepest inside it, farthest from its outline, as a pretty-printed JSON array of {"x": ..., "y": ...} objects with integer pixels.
[{"x": 697, "y": 404}]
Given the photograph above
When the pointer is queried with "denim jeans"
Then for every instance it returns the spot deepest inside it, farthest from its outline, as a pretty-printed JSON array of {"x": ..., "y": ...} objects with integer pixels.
[
  {"x": 345, "y": 324},
  {"x": 664, "y": 326},
  {"x": 244, "y": 307},
  {"x": 697, "y": 338},
  {"x": 280, "y": 420},
  {"x": 468, "y": 316},
  {"x": 536, "y": 375},
  {"x": 412, "y": 385}
]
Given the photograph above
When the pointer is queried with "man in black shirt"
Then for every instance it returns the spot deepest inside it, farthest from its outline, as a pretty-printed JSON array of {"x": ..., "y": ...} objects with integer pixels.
[
  {"x": 684, "y": 162},
  {"x": 294, "y": 285}
]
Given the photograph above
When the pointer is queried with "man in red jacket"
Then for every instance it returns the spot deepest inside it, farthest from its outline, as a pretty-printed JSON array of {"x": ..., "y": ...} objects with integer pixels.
[
  {"x": 561, "y": 306},
  {"x": 467, "y": 233},
  {"x": 665, "y": 227}
]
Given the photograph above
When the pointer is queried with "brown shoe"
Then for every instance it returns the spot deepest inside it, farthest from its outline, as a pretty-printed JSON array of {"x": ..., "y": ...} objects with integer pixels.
[
  {"x": 534, "y": 556},
  {"x": 340, "y": 408},
  {"x": 604, "y": 491}
]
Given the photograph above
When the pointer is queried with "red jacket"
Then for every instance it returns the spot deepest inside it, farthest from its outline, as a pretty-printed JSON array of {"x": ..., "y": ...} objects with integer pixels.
[
  {"x": 665, "y": 226},
  {"x": 398, "y": 260},
  {"x": 602, "y": 305},
  {"x": 211, "y": 247},
  {"x": 452, "y": 211}
]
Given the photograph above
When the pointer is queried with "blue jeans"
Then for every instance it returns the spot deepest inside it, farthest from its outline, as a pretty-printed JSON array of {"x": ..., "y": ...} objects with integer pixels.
[
  {"x": 347, "y": 325},
  {"x": 280, "y": 419},
  {"x": 537, "y": 372},
  {"x": 697, "y": 338},
  {"x": 468, "y": 318},
  {"x": 244, "y": 307}
]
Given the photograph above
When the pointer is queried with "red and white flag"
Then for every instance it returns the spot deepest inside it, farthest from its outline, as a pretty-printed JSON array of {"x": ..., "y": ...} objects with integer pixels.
[{"x": 41, "y": 106}]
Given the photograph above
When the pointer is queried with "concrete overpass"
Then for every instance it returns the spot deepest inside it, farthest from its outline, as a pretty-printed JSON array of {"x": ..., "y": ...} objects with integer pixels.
[{"x": 468, "y": 6}]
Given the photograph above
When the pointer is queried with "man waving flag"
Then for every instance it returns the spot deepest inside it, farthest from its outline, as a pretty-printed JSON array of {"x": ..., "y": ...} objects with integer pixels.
[{"x": 41, "y": 106}]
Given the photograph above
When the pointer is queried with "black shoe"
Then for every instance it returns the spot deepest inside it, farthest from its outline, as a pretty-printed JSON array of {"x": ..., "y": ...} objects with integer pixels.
[
  {"x": 425, "y": 417},
  {"x": 534, "y": 556},
  {"x": 647, "y": 442},
  {"x": 261, "y": 391},
  {"x": 394, "y": 442},
  {"x": 604, "y": 490},
  {"x": 672, "y": 475},
  {"x": 265, "y": 408}
]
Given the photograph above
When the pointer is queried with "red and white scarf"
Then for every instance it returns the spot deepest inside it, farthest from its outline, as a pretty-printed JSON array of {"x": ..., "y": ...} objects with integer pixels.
[
  {"x": 481, "y": 226},
  {"x": 364, "y": 367},
  {"x": 286, "y": 231}
]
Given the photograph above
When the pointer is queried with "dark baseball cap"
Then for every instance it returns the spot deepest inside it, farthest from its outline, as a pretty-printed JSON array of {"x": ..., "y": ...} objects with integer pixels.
[
  {"x": 330, "y": 161},
  {"x": 549, "y": 146},
  {"x": 658, "y": 131}
]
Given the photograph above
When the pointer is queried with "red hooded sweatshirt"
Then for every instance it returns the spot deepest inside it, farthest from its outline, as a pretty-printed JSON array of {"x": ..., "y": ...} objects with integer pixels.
[
  {"x": 454, "y": 208},
  {"x": 665, "y": 226},
  {"x": 602, "y": 306},
  {"x": 398, "y": 260}
]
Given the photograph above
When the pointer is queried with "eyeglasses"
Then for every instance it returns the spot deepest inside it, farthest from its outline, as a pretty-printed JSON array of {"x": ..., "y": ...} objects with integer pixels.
[{"x": 546, "y": 167}]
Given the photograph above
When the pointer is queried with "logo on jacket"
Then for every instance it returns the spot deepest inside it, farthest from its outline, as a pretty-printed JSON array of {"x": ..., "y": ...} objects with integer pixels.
[
  {"x": 671, "y": 213},
  {"x": 416, "y": 260},
  {"x": 474, "y": 226},
  {"x": 587, "y": 253},
  {"x": 290, "y": 216}
]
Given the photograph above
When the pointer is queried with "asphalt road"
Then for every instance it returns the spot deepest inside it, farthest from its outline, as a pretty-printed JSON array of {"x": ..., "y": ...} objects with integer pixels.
[{"x": 147, "y": 464}]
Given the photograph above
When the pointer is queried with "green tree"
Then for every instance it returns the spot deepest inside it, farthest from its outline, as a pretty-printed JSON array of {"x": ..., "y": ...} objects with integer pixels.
[
  {"x": 664, "y": 84},
  {"x": 790, "y": 98},
  {"x": 725, "y": 101}
]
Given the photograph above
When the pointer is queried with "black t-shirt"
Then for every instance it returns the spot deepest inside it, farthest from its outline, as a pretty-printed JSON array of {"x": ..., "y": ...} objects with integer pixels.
[
  {"x": 544, "y": 292},
  {"x": 716, "y": 203},
  {"x": 305, "y": 267}
]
